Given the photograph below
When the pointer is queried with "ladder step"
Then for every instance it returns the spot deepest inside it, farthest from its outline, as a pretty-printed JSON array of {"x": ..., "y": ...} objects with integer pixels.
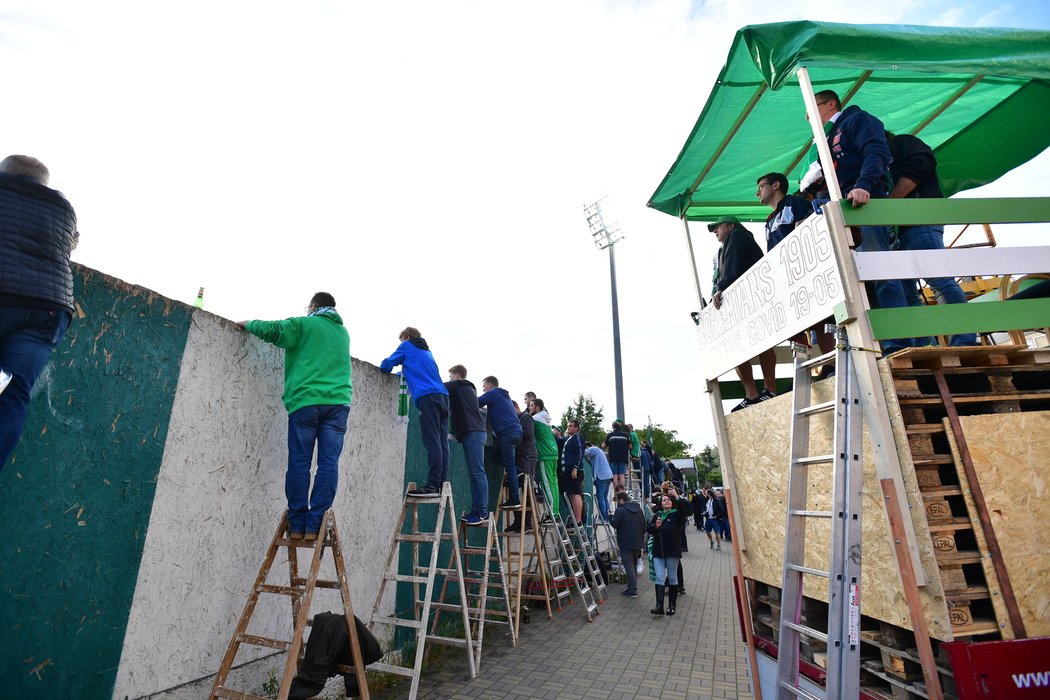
[
  {"x": 820, "y": 360},
  {"x": 808, "y": 631},
  {"x": 399, "y": 622},
  {"x": 319, "y": 583},
  {"x": 391, "y": 668},
  {"x": 404, "y": 578},
  {"x": 807, "y": 570},
  {"x": 280, "y": 590},
  {"x": 818, "y": 408},
  {"x": 811, "y": 513},
  {"x": 449, "y": 641},
  {"x": 237, "y": 695},
  {"x": 815, "y": 459},
  {"x": 263, "y": 642},
  {"x": 420, "y": 537},
  {"x": 804, "y": 694}
]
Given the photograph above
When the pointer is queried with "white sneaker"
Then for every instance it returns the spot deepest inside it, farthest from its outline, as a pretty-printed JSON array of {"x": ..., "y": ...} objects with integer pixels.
[{"x": 5, "y": 379}]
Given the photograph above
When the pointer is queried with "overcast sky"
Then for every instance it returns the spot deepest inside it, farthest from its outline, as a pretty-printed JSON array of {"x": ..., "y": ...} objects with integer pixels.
[{"x": 425, "y": 162}]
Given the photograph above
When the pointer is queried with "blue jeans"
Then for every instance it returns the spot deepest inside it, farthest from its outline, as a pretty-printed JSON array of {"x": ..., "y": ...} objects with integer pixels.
[
  {"x": 666, "y": 567},
  {"x": 601, "y": 495},
  {"x": 506, "y": 449},
  {"x": 947, "y": 289},
  {"x": 433, "y": 428},
  {"x": 647, "y": 484},
  {"x": 889, "y": 294},
  {"x": 325, "y": 427},
  {"x": 27, "y": 337},
  {"x": 474, "y": 454}
]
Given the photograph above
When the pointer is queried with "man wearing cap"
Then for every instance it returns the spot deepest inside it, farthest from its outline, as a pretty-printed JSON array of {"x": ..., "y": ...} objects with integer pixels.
[{"x": 738, "y": 253}]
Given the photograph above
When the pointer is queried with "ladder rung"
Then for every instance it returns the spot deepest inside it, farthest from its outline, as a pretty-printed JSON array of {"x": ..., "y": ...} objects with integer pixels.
[
  {"x": 800, "y": 692},
  {"x": 405, "y": 578},
  {"x": 808, "y": 631},
  {"x": 237, "y": 695},
  {"x": 449, "y": 641},
  {"x": 319, "y": 583},
  {"x": 420, "y": 537},
  {"x": 391, "y": 668},
  {"x": 811, "y": 513},
  {"x": 399, "y": 622},
  {"x": 820, "y": 360},
  {"x": 263, "y": 641},
  {"x": 807, "y": 570},
  {"x": 818, "y": 408},
  {"x": 815, "y": 459},
  {"x": 280, "y": 590}
]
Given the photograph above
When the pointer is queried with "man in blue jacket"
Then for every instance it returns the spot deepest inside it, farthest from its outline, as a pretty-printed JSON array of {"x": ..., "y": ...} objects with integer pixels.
[
  {"x": 862, "y": 160},
  {"x": 38, "y": 229},
  {"x": 507, "y": 429},
  {"x": 431, "y": 397}
]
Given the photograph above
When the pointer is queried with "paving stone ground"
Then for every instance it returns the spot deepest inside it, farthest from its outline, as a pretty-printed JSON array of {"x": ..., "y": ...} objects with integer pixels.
[{"x": 625, "y": 653}]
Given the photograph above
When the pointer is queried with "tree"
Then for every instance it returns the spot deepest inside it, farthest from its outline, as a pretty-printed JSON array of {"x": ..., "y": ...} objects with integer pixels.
[
  {"x": 664, "y": 442},
  {"x": 589, "y": 416},
  {"x": 714, "y": 477},
  {"x": 708, "y": 462}
]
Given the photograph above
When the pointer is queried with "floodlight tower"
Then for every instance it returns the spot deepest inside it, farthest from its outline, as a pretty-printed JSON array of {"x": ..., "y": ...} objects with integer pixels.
[{"x": 605, "y": 237}]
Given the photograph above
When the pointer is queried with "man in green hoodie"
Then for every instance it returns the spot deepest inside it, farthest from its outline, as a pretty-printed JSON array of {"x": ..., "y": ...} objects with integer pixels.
[{"x": 317, "y": 393}]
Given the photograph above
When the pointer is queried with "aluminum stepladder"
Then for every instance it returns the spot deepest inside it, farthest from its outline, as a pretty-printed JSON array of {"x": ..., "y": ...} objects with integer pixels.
[
  {"x": 580, "y": 559},
  {"x": 602, "y": 532},
  {"x": 484, "y": 569},
  {"x": 555, "y": 563},
  {"x": 423, "y": 576},
  {"x": 301, "y": 591},
  {"x": 526, "y": 556},
  {"x": 843, "y": 631}
]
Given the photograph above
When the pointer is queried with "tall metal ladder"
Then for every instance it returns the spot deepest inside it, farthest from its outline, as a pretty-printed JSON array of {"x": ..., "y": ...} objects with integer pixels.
[
  {"x": 554, "y": 561},
  {"x": 843, "y": 629},
  {"x": 301, "y": 591},
  {"x": 422, "y": 599},
  {"x": 602, "y": 531},
  {"x": 582, "y": 564},
  {"x": 526, "y": 558},
  {"x": 484, "y": 570}
]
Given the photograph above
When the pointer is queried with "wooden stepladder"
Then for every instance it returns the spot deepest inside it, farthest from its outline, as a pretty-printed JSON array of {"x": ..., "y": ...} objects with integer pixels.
[
  {"x": 527, "y": 568},
  {"x": 301, "y": 591},
  {"x": 422, "y": 577},
  {"x": 485, "y": 580}
]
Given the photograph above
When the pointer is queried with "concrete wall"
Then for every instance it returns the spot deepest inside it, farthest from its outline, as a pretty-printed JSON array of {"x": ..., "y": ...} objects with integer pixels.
[{"x": 147, "y": 485}]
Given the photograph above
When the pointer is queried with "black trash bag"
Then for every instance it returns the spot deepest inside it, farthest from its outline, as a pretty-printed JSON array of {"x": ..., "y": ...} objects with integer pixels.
[{"x": 328, "y": 647}]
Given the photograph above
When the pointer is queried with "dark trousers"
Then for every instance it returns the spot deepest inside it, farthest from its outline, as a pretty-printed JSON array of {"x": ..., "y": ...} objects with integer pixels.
[{"x": 433, "y": 428}]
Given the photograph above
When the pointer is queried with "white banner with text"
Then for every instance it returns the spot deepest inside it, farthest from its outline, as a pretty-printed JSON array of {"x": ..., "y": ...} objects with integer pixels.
[{"x": 794, "y": 286}]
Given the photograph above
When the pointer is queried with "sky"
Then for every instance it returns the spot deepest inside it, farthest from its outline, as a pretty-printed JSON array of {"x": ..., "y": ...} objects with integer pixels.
[{"x": 425, "y": 162}]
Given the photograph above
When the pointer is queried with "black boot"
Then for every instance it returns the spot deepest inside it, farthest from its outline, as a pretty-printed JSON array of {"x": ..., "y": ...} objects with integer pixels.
[
  {"x": 674, "y": 600},
  {"x": 659, "y": 609}
]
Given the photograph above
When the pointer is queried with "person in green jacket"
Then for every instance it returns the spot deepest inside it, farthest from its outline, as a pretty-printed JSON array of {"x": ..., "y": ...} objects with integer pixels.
[
  {"x": 317, "y": 392},
  {"x": 547, "y": 447}
]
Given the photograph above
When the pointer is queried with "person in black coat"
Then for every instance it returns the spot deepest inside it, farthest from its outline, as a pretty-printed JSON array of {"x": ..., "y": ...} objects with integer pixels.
[
  {"x": 665, "y": 528},
  {"x": 38, "y": 230}
]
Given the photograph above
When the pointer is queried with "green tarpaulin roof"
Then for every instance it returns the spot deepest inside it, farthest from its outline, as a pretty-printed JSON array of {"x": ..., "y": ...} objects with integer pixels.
[{"x": 979, "y": 97}]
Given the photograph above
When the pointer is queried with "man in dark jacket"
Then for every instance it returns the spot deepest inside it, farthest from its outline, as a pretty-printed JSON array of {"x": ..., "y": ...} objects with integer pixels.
[
  {"x": 526, "y": 457},
  {"x": 738, "y": 253},
  {"x": 629, "y": 523},
  {"x": 914, "y": 173},
  {"x": 507, "y": 429},
  {"x": 618, "y": 445},
  {"x": 862, "y": 159},
  {"x": 570, "y": 476},
  {"x": 431, "y": 397},
  {"x": 468, "y": 428},
  {"x": 38, "y": 230}
]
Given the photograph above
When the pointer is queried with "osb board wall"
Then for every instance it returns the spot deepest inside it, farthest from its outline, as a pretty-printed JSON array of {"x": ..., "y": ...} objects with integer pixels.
[
  {"x": 760, "y": 441},
  {"x": 1009, "y": 453}
]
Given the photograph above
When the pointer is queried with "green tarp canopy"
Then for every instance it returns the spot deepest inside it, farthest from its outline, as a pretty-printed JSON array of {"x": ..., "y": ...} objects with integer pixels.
[{"x": 979, "y": 97}]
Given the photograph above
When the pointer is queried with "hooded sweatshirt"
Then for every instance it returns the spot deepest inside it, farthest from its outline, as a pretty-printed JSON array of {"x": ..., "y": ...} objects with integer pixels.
[
  {"x": 463, "y": 407},
  {"x": 316, "y": 358},
  {"x": 629, "y": 523},
  {"x": 418, "y": 367},
  {"x": 501, "y": 412}
]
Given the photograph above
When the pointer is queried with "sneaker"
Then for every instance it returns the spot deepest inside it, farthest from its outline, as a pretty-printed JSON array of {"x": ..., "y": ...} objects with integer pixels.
[
  {"x": 747, "y": 402},
  {"x": 766, "y": 395},
  {"x": 719, "y": 547},
  {"x": 510, "y": 505},
  {"x": 425, "y": 493},
  {"x": 711, "y": 544},
  {"x": 474, "y": 520},
  {"x": 627, "y": 594},
  {"x": 546, "y": 520},
  {"x": 512, "y": 528}
]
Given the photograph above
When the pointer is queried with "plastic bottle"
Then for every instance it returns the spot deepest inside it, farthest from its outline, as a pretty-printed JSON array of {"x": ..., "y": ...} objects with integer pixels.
[{"x": 199, "y": 301}]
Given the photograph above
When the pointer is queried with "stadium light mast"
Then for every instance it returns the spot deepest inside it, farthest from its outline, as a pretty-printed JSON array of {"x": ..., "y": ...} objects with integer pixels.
[{"x": 605, "y": 237}]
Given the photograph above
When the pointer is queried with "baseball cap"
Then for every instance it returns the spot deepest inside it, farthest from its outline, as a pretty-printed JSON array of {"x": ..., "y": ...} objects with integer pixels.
[{"x": 723, "y": 220}]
